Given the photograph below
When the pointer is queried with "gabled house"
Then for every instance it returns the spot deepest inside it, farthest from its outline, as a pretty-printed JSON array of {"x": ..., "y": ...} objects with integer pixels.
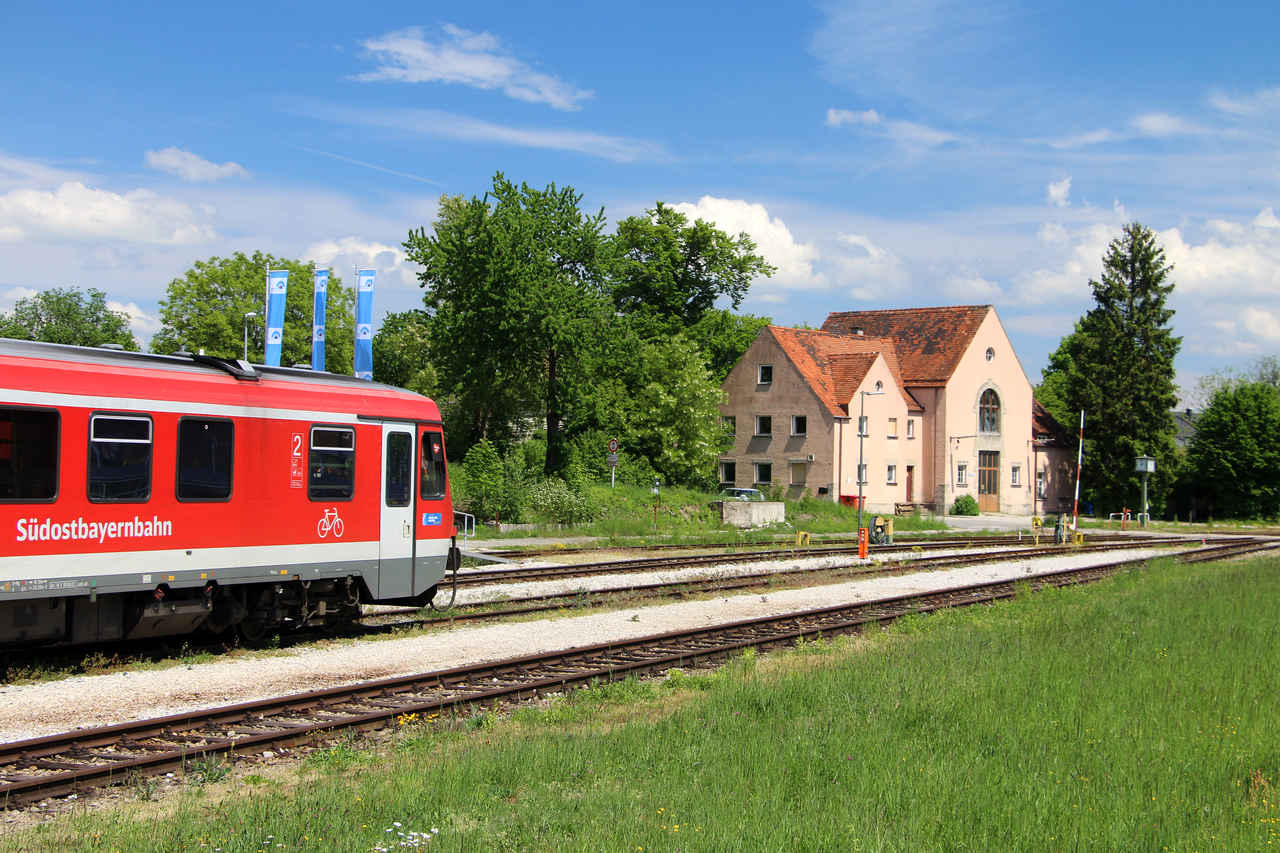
[{"x": 948, "y": 410}]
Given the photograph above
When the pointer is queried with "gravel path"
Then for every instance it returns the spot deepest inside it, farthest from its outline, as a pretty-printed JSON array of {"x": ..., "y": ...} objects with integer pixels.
[{"x": 35, "y": 709}]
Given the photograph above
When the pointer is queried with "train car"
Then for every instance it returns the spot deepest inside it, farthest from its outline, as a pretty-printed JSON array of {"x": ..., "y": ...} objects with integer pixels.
[{"x": 148, "y": 495}]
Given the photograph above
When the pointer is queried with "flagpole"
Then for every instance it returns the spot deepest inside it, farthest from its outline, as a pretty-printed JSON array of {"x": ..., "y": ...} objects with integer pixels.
[{"x": 1075, "y": 508}]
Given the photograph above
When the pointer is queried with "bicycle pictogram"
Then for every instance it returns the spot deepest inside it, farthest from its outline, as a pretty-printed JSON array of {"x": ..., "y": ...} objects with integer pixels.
[{"x": 330, "y": 522}]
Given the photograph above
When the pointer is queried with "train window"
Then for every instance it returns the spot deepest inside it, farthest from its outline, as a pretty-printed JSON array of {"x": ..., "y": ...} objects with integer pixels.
[
  {"x": 399, "y": 468},
  {"x": 119, "y": 458},
  {"x": 431, "y": 480},
  {"x": 28, "y": 455},
  {"x": 332, "y": 464},
  {"x": 205, "y": 450}
]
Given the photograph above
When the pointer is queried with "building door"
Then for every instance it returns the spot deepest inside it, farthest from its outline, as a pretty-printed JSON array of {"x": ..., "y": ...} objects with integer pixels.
[
  {"x": 911, "y": 484},
  {"x": 988, "y": 481},
  {"x": 395, "y": 553}
]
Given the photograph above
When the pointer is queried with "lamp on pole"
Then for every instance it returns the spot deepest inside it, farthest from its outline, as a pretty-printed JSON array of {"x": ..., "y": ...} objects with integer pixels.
[
  {"x": 862, "y": 433},
  {"x": 246, "y": 332}
]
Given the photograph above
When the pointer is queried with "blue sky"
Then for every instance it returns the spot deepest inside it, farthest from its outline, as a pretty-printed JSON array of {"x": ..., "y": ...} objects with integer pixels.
[{"x": 882, "y": 155}]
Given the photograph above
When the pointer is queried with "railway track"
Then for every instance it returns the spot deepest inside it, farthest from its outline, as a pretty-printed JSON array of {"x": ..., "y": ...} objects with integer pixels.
[
  {"x": 546, "y": 602},
  {"x": 479, "y": 577},
  {"x": 81, "y": 760}
]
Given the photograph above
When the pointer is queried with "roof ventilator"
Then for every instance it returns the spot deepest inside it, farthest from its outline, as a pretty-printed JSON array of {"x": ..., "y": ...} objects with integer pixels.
[{"x": 238, "y": 368}]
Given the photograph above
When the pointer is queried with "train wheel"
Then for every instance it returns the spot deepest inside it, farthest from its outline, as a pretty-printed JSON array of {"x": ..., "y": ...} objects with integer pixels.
[{"x": 253, "y": 632}]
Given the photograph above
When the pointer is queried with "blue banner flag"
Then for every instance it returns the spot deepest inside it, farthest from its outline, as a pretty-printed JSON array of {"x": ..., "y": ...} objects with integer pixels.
[
  {"x": 317, "y": 320},
  {"x": 364, "y": 323},
  {"x": 277, "y": 285}
]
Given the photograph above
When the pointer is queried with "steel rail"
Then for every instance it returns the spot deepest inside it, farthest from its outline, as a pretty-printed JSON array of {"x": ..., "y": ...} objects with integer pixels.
[{"x": 71, "y": 762}]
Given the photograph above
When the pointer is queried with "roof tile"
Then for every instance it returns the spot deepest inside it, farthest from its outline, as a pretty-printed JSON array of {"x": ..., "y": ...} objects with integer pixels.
[{"x": 929, "y": 341}]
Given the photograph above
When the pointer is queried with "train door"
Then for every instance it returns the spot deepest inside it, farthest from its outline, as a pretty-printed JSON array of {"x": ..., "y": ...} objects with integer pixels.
[{"x": 395, "y": 557}]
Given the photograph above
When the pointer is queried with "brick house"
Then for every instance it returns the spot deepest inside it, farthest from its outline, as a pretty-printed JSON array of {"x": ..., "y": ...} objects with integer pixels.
[{"x": 948, "y": 411}]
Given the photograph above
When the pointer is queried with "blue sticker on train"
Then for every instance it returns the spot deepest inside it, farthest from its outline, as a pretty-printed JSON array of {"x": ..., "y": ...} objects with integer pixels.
[{"x": 431, "y": 519}]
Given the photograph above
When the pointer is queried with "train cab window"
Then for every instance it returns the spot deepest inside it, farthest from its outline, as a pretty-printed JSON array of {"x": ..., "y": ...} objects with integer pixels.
[
  {"x": 119, "y": 458},
  {"x": 431, "y": 485},
  {"x": 332, "y": 464},
  {"x": 399, "y": 468},
  {"x": 205, "y": 449},
  {"x": 28, "y": 455}
]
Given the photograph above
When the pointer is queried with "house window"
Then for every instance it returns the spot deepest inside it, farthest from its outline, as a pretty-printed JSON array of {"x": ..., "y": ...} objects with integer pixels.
[
  {"x": 911, "y": 428},
  {"x": 798, "y": 473},
  {"x": 764, "y": 425},
  {"x": 765, "y": 374},
  {"x": 962, "y": 474},
  {"x": 1040, "y": 484},
  {"x": 989, "y": 412},
  {"x": 879, "y": 385},
  {"x": 764, "y": 473},
  {"x": 862, "y": 426},
  {"x": 862, "y": 474},
  {"x": 893, "y": 428},
  {"x": 730, "y": 423},
  {"x": 1015, "y": 475},
  {"x": 891, "y": 477},
  {"x": 728, "y": 473},
  {"x": 799, "y": 424},
  {"x": 991, "y": 353}
]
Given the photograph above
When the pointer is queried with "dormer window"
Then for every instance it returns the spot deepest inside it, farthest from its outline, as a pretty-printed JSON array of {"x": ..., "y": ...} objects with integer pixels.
[{"x": 765, "y": 374}]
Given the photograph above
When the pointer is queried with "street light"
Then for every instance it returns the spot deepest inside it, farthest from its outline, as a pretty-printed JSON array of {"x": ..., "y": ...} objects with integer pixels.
[
  {"x": 862, "y": 432},
  {"x": 246, "y": 332}
]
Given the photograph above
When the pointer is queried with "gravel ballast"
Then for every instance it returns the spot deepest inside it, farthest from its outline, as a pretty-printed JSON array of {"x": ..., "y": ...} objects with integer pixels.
[{"x": 31, "y": 710}]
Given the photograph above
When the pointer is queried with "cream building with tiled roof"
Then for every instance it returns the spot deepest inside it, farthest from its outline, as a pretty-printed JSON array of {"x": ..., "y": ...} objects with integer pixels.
[{"x": 948, "y": 411}]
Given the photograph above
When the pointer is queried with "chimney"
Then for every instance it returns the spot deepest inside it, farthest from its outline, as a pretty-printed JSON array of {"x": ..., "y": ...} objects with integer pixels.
[{"x": 857, "y": 330}]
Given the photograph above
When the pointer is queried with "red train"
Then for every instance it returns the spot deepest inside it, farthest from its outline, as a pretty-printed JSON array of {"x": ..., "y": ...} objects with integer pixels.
[{"x": 147, "y": 495}]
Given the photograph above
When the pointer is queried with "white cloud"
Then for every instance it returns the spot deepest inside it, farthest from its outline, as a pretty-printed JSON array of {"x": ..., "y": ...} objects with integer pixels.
[
  {"x": 907, "y": 133},
  {"x": 17, "y": 172},
  {"x": 84, "y": 213},
  {"x": 1067, "y": 281},
  {"x": 142, "y": 324},
  {"x": 1262, "y": 323},
  {"x": 1164, "y": 124},
  {"x": 973, "y": 289},
  {"x": 192, "y": 167},
  {"x": 348, "y": 253},
  {"x": 868, "y": 269},
  {"x": 1263, "y": 100},
  {"x": 1079, "y": 140},
  {"x": 467, "y": 58},
  {"x": 1059, "y": 192},
  {"x": 1267, "y": 219},
  {"x": 9, "y": 297},
  {"x": 794, "y": 260},
  {"x": 839, "y": 118},
  {"x": 452, "y": 126},
  {"x": 1052, "y": 232},
  {"x": 1224, "y": 267}
]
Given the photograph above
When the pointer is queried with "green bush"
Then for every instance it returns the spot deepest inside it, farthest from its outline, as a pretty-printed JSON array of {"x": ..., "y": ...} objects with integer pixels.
[
  {"x": 965, "y": 505},
  {"x": 554, "y": 502}
]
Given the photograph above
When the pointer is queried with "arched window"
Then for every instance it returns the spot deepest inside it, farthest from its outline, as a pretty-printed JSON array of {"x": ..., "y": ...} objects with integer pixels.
[{"x": 989, "y": 412}]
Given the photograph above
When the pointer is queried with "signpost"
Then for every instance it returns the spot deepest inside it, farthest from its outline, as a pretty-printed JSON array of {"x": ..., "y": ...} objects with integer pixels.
[
  {"x": 612, "y": 459},
  {"x": 1146, "y": 466}
]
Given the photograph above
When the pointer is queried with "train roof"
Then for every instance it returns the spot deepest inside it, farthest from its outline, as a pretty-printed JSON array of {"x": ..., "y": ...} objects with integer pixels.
[{"x": 196, "y": 376}]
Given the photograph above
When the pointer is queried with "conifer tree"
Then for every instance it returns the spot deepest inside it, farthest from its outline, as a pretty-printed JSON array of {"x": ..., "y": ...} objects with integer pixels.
[{"x": 1121, "y": 373}]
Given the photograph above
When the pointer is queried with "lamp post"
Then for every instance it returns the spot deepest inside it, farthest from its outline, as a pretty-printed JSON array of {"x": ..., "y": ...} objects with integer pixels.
[
  {"x": 862, "y": 433},
  {"x": 246, "y": 332}
]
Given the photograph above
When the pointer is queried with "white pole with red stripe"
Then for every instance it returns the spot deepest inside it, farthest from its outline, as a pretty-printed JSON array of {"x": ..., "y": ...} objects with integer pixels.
[{"x": 1075, "y": 507}]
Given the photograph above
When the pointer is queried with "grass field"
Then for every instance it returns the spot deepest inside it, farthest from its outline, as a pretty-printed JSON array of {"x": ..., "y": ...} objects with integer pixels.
[{"x": 1136, "y": 714}]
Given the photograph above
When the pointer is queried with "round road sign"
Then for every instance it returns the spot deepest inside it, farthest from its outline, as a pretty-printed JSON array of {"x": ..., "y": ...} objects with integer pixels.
[{"x": 613, "y": 445}]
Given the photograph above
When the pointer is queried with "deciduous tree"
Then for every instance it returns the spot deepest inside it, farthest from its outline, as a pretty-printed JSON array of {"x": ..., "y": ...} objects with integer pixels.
[
  {"x": 401, "y": 352},
  {"x": 68, "y": 316},
  {"x": 1235, "y": 455},
  {"x": 515, "y": 282},
  {"x": 205, "y": 308},
  {"x": 672, "y": 272}
]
